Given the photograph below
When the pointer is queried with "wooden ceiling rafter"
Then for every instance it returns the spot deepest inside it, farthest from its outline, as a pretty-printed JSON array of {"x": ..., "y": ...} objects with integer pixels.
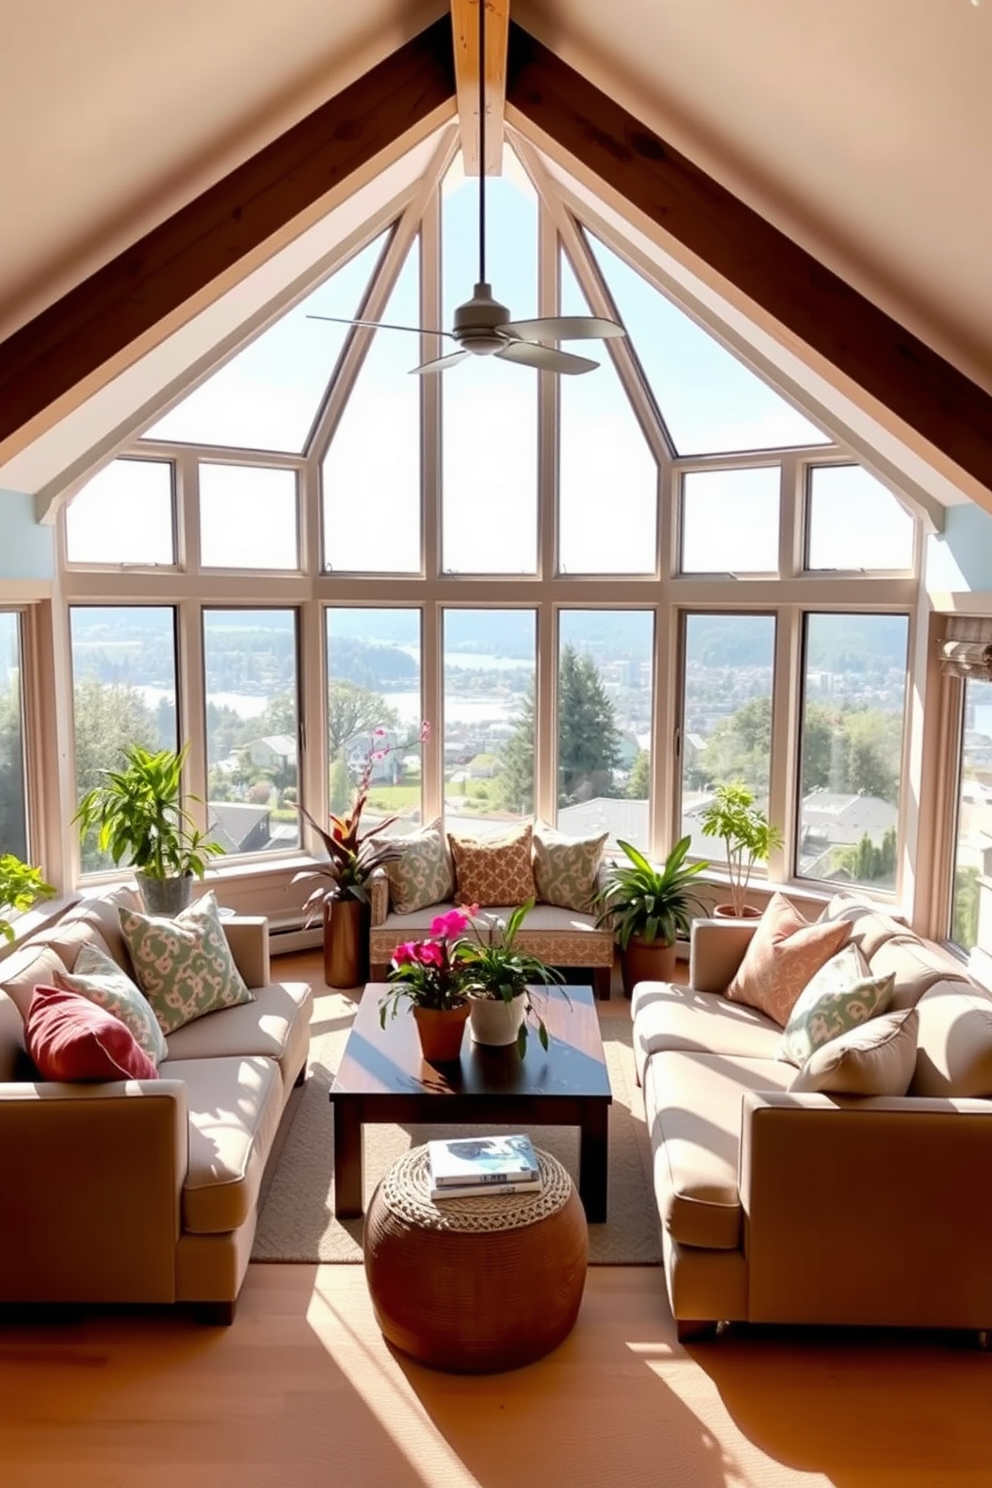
[{"x": 465, "y": 39}]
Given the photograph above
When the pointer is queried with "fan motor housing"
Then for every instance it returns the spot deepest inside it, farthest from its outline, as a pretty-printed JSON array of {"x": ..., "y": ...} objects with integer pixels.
[{"x": 477, "y": 322}]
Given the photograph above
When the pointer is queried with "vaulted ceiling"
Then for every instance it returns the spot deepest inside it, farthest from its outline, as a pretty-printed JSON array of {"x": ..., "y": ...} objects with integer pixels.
[{"x": 858, "y": 130}]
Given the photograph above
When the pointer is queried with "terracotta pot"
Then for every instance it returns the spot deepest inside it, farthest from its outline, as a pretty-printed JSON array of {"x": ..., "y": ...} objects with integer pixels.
[
  {"x": 728, "y": 912},
  {"x": 441, "y": 1031},
  {"x": 346, "y": 942},
  {"x": 496, "y": 1022},
  {"x": 646, "y": 961}
]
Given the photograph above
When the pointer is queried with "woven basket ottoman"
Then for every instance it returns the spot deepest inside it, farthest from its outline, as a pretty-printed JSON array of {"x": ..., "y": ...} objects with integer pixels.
[{"x": 480, "y": 1284}]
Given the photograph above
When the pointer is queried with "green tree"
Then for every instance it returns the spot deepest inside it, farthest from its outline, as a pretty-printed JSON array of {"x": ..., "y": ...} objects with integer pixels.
[
  {"x": 739, "y": 747},
  {"x": 107, "y": 718},
  {"x": 13, "y": 826},
  {"x": 869, "y": 862},
  {"x": 352, "y": 711},
  {"x": 639, "y": 784},
  {"x": 965, "y": 929},
  {"x": 339, "y": 785},
  {"x": 515, "y": 783}
]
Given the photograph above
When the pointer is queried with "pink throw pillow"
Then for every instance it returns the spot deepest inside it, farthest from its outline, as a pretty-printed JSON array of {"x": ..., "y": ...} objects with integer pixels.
[
  {"x": 70, "y": 1038},
  {"x": 784, "y": 952}
]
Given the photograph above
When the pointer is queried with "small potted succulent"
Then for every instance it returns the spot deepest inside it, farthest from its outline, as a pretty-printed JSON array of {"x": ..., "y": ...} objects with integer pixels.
[
  {"x": 648, "y": 908},
  {"x": 748, "y": 838},
  {"x": 21, "y": 886}
]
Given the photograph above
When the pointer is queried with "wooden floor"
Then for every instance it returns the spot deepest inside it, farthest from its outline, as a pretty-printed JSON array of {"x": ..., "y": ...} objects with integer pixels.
[{"x": 303, "y": 1391}]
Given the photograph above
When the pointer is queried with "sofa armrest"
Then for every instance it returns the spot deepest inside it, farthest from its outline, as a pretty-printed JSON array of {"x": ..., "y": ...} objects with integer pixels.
[
  {"x": 92, "y": 1179},
  {"x": 378, "y": 885},
  {"x": 248, "y": 938},
  {"x": 716, "y": 950},
  {"x": 867, "y": 1210}
]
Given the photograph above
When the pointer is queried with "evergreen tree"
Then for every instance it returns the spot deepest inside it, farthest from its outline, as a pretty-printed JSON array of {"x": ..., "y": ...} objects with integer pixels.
[
  {"x": 639, "y": 784},
  {"x": 514, "y": 786}
]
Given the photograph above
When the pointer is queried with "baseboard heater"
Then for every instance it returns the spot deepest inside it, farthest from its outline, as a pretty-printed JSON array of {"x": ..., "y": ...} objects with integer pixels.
[{"x": 287, "y": 933}]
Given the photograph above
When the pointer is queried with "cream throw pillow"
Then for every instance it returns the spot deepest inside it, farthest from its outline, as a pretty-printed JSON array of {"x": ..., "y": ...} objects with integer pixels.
[
  {"x": 566, "y": 869},
  {"x": 876, "y": 1058},
  {"x": 782, "y": 955},
  {"x": 842, "y": 994}
]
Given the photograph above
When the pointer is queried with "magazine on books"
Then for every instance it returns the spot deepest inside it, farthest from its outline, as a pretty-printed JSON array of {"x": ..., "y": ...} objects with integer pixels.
[
  {"x": 485, "y": 1190},
  {"x": 482, "y": 1160}
]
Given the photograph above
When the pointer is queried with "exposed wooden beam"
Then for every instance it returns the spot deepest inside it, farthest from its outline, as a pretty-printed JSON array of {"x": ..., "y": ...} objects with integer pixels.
[
  {"x": 45, "y": 364},
  {"x": 465, "y": 34},
  {"x": 891, "y": 364}
]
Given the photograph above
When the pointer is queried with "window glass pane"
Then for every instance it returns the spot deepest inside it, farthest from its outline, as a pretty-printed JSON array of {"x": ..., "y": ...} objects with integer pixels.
[
  {"x": 710, "y": 401},
  {"x": 247, "y": 517},
  {"x": 252, "y": 712},
  {"x": 489, "y": 408},
  {"x": 13, "y": 814},
  {"x": 852, "y": 730},
  {"x": 489, "y": 669},
  {"x": 371, "y": 472},
  {"x": 854, "y": 522},
  {"x": 268, "y": 395},
  {"x": 604, "y": 462},
  {"x": 123, "y": 515},
  {"x": 971, "y": 924},
  {"x": 730, "y": 521},
  {"x": 373, "y": 682},
  {"x": 604, "y": 704},
  {"x": 726, "y": 716},
  {"x": 124, "y": 692}
]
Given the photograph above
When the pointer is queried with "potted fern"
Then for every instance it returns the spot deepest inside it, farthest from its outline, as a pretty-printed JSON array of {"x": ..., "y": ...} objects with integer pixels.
[
  {"x": 748, "y": 838},
  {"x": 648, "y": 907}
]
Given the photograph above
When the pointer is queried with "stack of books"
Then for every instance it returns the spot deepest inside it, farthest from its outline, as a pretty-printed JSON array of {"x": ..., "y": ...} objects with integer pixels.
[{"x": 467, "y": 1166}]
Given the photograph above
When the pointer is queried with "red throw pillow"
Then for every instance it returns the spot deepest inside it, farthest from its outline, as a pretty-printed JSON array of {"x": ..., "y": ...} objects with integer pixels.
[
  {"x": 70, "y": 1038},
  {"x": 782, "y": 956}
]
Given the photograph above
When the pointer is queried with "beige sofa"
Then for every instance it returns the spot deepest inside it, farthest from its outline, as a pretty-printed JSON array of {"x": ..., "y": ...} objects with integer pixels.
[
  {"x": 143, "y": 1191},
  {"x": 560, "y": 937},
  {"x": 819, "y": 1209}
]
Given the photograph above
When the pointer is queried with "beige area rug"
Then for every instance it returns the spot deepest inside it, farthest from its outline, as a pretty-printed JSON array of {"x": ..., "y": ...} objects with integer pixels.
[{"x": 296, "y": 1220}]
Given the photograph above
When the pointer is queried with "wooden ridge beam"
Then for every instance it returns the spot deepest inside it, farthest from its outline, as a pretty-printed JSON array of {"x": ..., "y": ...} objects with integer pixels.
[
  {"x": 96, "y": 321},
  {"x": 881, "y": 356},
  {"x": 465, "y": 36}
]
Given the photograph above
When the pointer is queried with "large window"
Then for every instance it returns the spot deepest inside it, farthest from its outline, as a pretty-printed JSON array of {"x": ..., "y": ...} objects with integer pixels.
[
  {"x": 730, "y": 521},
  {"x": 855, "y": 523},
  {"x": 248, "y": 517},
  {"x": 854, "y": 701},
  {"x": 123, "y": 515},
  {"x": 973, "y": 841},
  {"x": 13, "y": 805}
]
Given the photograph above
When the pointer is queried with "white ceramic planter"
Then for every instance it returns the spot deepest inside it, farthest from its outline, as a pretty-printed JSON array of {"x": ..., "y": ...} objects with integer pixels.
[{"x": 496, "y": 1022}]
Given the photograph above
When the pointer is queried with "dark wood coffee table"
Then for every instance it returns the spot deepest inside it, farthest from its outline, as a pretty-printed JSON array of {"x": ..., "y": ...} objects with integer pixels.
[{"x": 383, "y": 1077}]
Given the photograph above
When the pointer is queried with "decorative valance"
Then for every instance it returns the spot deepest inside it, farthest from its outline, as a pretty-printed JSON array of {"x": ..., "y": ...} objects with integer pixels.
[{"x": 966, "y": 650}]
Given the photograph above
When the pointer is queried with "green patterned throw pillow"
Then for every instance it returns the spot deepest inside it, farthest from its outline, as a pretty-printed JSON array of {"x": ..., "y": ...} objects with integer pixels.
[
  {"x": 423, "y": 875},
  {"x": 842, "y": 994},
  {"x": 566, "y": 868},
  {"x": 98, "y": 977},
  {"x": 184, "y": 966}
]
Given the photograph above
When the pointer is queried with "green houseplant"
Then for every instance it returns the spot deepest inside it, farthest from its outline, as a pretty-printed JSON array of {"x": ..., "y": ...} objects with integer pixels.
[
  {"x": 427, "y": 974},
  {"x": 748, "y": 838},
  {"x": 139, "y": 816},
  {"x": 497, "y": 975},
  {"x": 20, "y": 887},
  {"x": 648, "y": 907}
]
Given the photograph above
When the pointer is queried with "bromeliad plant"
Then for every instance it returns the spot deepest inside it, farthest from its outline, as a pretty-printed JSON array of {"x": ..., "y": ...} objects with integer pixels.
[
  {"x": 353, "y": 855},
  {"x": 493, "y": 967},
  {"x": 21, "y": 886},
  {"x": 430, "y": 973}
]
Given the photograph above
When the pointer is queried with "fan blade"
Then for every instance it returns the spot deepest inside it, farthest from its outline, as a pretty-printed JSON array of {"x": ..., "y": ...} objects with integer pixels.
[
  {"x": 378, "y": 325},
  {"x": 442, "y": 362},
  {"x": 544, "y": 358},
  {"x": 564, "y": 328}
]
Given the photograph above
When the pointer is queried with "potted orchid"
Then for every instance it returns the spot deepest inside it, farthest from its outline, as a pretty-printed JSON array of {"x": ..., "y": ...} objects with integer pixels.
[
  {"x": 341, "y": 894},
  {"x": 429, "y": 974},
  {"x": 497, "y": 975}
]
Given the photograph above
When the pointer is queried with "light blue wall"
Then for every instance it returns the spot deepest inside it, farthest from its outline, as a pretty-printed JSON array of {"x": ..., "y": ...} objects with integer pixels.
[
  {"x": 27, "y": 550},
  {"x": 960, "y": 559}
]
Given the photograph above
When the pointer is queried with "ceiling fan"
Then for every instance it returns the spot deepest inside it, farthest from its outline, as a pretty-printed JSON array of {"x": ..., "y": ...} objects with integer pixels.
[{"x": 482, "y": 326}]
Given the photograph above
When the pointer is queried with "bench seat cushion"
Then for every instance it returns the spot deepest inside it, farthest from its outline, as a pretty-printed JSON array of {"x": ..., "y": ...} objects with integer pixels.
[{"x": 561, "y": 937}]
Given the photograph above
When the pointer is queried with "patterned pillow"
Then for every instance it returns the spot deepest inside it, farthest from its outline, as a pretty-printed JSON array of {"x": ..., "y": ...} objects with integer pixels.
[
  {"x": 842, "y": 994},
  {"x": 566, "y": 868},
  {"x": 876, "y": 1058},
  {"x": 98, "y": 977},
  {"x": 497, "y": 871},
  {"x": 184, "y": 966},
  {"x": 781, "y": 956},
  {"x": 423, "y": 875}
]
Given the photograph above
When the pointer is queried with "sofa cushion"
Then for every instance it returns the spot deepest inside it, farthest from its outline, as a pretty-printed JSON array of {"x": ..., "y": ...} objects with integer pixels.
[
  {"x": 275, "y": 1025},
  {"x": 870, "y": 926},
  {"x": 97, "y": 976},
  {"x": 32, "y": 965},
  {"x": 781, "y": 958},
  {"x": 423, "y": 873},
  {"x": 876, "y": 1058},
  {"x": 495, "y": 871},
  {"x": 954, "y": 1042},
  {"x": 234, "y": 1108},
  {"x": 100, "y": 914},
  {"x": 70, "y": 1038},
  {"x": 693, "y": 1106},
  {"x": 916, "y": 965},
  {"x": 668, "y": 1016},
  {"x": 842, "y": 994},
  {"x": 184, "y": 966},
  {"x": 566, "y": 869}
]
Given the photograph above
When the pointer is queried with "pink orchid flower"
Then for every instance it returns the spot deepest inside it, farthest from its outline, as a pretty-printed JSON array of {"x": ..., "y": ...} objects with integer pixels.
[
  {"x": 448, "y": 925},
  {"x": 405, "y": 953},
  {"x": 430, "y": 954}
]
